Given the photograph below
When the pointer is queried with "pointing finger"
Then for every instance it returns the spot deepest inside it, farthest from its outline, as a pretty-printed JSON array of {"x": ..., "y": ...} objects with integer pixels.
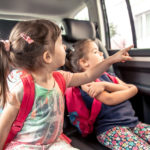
[{"x": 127, "y": 48}]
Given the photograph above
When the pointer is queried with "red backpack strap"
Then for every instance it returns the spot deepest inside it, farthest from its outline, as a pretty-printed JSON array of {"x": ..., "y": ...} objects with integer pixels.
[
  {"x": 96, "y": 106},
  {"x": 113, "y": 78},
  {"x": 60, "y": 81},
  {"x": 62, "y": 85},
  {"x": 25, "y": 108},
  {"x": 95, "y": 110}
]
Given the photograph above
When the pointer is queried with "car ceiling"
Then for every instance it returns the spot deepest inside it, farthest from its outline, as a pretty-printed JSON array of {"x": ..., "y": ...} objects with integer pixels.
[{"x": 24, "y": 9}]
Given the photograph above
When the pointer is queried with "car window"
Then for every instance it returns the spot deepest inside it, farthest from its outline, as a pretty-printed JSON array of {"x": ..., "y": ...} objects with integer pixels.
[
  {"x": 82, "y": 14},
  {"x": 141, "y": 15},
  {"x": 119, "y": 24}
]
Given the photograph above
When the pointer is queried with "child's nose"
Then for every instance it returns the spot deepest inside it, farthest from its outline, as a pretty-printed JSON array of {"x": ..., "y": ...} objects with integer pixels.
[
  {"x": 101, "y": 53},
  {"x": 65, "y": 47}
]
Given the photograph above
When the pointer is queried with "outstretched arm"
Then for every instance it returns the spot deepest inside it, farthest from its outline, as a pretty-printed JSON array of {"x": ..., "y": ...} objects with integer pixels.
[{"x": 95, "y": 72}]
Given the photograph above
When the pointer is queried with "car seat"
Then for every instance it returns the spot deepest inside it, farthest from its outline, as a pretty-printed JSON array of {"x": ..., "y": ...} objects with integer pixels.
[{"x": 6, "y": 27}]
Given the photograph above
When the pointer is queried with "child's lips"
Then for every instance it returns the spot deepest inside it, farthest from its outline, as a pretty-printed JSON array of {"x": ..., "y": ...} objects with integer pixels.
[{"x": 101, "y": 59}]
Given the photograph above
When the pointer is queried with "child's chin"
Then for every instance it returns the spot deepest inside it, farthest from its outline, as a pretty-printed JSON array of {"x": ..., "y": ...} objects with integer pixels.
[
  {"x": 63, "y": 63},
  {"x": 101, "y": 60}
]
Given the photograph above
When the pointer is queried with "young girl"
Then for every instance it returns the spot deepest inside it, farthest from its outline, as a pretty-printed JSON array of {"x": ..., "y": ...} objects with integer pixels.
[
  {"x": 116, "y": 126},
  {"x": 36, "y": 47}
]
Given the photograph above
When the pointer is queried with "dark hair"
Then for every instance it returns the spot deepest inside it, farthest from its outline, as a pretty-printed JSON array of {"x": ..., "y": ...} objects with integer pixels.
[
  {"x": 4, "y": 69},
  {"x": 27, "y": 56},
  {"x": 73, "y": 56}
]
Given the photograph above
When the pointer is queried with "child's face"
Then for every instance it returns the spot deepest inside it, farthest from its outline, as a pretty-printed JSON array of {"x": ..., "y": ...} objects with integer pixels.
[
  {"x": 94, "y": 56},
  {"x": 59, "y": 53}
]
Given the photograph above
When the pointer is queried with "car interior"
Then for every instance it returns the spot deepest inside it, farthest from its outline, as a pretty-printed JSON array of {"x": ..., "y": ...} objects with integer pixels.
[{"x": 95, "y": 27}]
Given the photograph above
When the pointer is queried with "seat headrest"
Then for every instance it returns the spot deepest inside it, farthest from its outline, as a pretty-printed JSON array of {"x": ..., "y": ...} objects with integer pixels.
[{"x": 79, "y": 29}]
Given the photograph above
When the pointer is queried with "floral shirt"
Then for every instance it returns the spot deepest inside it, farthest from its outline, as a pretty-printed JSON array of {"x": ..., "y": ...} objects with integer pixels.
[{"x": 44, "y": 124}]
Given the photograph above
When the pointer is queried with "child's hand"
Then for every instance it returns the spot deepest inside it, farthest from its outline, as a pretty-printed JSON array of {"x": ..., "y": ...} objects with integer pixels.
[
  {"x": 93, "y": 88},
  {"x": 122, "y": 55}
]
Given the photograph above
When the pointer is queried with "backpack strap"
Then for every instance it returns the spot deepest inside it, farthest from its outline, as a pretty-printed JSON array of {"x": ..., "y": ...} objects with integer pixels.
[
  {"x": 62, "y": 85},
  {"x": 96, "y": 105},
  {"x": 60, "y": 81},
  {"x": 113, "y": 78},
  {"x": 95, "y": 110},
  {"x": 25, "y": 108}
]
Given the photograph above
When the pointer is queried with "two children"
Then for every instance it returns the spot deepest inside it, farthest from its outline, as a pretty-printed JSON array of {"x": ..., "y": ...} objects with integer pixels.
[
  {"x": 36, "y": 47},
  {"x": 116, "y": 126}
]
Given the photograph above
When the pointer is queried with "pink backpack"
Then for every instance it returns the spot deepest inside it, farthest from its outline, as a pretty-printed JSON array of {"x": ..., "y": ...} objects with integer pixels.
[
  {"x": 80, "y": 116},
  {"x": 27, "y": 103}
]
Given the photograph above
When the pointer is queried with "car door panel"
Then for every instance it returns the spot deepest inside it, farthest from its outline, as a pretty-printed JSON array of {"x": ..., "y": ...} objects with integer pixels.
[{"x": 137, "y": 72}]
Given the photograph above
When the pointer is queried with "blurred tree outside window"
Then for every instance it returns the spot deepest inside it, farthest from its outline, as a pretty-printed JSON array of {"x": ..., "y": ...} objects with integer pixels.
[{"x": 119, "y": 24}]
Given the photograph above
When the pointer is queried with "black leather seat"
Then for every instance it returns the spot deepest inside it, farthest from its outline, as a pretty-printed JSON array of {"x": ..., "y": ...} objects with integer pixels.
[
  {"x": 5, "y": 28},
  {"x": 78, "y": 30}
]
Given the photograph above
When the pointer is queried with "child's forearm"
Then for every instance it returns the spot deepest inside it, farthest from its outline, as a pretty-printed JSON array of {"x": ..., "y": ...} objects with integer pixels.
[
  {"x": 103, "y": 66},
  {"x": 99, "y": 69},
  {"x": 112, "y": 87},
  {"x": 95, "y": 72},
  {"x": 91, "y": 74},
  {"x": 117, "y": 97}
]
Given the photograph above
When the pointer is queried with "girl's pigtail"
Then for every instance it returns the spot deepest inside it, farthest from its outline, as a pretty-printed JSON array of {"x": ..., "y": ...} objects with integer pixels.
[
  {"x": 4, "y": 70},
  {"x": 68, "y": 66}
]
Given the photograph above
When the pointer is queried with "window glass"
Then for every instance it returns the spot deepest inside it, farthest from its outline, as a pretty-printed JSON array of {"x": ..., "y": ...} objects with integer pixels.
[
  {"x": 148, "y": 24},
  {"x": 119, "y": 24},
  {"x": 138, "y": 27},
  {"x": 82, "y": 15},
  {"x": 141, "y": 14},
  {"x": 61, "y": 26}
]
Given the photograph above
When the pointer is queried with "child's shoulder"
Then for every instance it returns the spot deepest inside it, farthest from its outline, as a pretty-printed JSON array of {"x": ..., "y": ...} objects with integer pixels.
[
  {"x": 14, "y": 79},
  {"x": 66, "y": 75},
  {"x": 109, "y": 77},
  {"x": 15, "y": 84},
  {"x": 64, "y": 72}
]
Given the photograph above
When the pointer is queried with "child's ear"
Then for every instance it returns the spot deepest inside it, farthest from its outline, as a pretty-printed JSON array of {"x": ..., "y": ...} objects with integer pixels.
[
  {"x": 83, "y": 63},
  {"x": 47, "y": 57}
]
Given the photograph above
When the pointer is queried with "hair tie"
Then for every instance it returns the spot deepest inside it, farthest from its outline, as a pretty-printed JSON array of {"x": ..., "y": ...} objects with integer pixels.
[
  {"x": 26, "y": 38},
  {"x": 6, "y": 44}
]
